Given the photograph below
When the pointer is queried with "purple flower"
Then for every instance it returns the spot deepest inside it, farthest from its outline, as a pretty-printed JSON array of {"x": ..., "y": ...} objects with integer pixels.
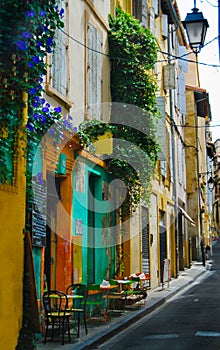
[
  {"x": 26, "y": 35},
  {"x": 75, "y": 129},
  {"x": 39, "y": 43},
  {"x": 70, "y": 118},
  {"x": 57, "y": 109},
  {"x": 42, "y": 101},
  {"x": 33, "y": 91},
  {"x": 30, "y": 14},
  {"x": 41, "y": 80},
  {"x": 48, "y": 105},
  {"x": 21, "y": 45}
]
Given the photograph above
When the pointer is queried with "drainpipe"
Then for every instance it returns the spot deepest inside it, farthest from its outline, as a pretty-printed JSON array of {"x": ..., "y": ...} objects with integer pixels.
[{"x": 174, "y": 168}]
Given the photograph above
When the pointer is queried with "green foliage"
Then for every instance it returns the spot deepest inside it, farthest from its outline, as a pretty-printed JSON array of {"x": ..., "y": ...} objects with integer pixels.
[
  {"x": 27, "y": 35},
  {"x": 133, "y": 52}
]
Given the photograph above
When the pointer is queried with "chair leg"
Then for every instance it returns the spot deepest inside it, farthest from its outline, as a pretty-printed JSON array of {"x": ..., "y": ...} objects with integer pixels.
[
  {"x": 86, "y": 329},
  {"x": 68, "y": 325},
  {"x": 78, "y": 324},
  {"x": 45, "y": 336},
  {"x": 63, "y": 330},
  {"x": 52, "y": 331}
]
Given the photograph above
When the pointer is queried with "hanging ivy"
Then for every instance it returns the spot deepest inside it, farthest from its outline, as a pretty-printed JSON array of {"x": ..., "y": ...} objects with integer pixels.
[{"x": 133, "y": 53}]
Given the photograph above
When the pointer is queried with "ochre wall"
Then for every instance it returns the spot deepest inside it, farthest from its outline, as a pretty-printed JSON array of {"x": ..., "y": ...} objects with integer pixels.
[{"x": 12, "y": 221}]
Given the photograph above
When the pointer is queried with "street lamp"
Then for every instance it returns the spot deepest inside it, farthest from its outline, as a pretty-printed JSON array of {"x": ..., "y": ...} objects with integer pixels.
[
  {"x": 196, "y": 26},
  {"x": 211, "y": 184}
]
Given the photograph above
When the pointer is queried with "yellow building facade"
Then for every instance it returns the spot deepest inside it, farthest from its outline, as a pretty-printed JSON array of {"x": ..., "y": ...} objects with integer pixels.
[{"x": 12, "y": 223}]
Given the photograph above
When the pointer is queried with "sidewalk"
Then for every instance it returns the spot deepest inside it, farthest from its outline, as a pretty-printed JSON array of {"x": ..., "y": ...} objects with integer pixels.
[{"x": 99, "y": 332}]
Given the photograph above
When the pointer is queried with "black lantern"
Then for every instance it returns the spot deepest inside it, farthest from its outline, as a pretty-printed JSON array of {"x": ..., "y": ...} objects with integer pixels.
[
  {"x": 196, "y": 26},
  {"x": 211, "y": 184}
]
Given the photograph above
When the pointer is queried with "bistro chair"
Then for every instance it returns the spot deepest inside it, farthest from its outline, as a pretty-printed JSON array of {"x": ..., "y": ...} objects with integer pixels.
[
  {"x": 77, "y": 297},
  {"x": 56, "y": 314}
]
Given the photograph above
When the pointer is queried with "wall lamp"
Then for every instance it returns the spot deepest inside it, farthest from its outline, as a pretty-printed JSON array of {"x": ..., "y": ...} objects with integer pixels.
[
  {"x": 211, "y": 181},
  {"x": 196, "y": 26}
]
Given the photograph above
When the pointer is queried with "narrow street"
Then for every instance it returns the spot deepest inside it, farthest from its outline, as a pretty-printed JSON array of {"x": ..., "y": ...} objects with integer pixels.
[{"x": 189, "y": 321}]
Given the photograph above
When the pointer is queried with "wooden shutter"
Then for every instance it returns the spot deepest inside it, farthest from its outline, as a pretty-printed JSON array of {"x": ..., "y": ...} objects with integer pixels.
[
  {"x": 182, "y": 93},
  {"x": 59, "y": 80},
  {"x": 170, "y": 155},
  {"x": 94, "y": 72},
  {"x": 161, "y": 127},
  {"x": 183, "y": 63}
]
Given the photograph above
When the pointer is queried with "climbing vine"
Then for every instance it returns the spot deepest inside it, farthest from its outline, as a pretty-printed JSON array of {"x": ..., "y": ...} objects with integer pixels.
[
  {"x": 27, "y": 35},
  {"x": 133, "y": 52}
]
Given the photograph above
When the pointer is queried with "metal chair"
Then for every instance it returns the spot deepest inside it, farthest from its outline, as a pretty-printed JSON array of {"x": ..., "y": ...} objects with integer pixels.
[
  {"x": 56, "y": 314},
  {"x": 79, "y": 293}
]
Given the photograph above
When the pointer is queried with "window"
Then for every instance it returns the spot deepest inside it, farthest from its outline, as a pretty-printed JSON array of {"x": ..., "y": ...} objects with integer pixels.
[
  {"x": 58, "y": 61},
  {"x": 137, "y": 9},
  {"x": 94, "y": 72}
]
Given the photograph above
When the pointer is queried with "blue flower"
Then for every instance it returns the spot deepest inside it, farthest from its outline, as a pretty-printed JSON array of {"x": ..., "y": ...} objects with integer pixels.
[
  {"x": 30, "y": 65},
  {"x": 36, "y": 103},
  {"x": 57, "y": 109},
  {"x": 48, "y": 105},
  {"x": 36, "y": 59},
  {"x": 21, "y": 45},
  {"x": 61, "y": 12},
  {"x": 30, "y": 126},
  {"x": 43, "y": 119},
  {"x": 33, "y": 91},
  {"x": 42, "y": 13},
  {"x": 75, "y": 128},
  {"x": 41, "y": 80},
  {"x": 30, "y": 14},
  {"x": 45, "y": 109},
  {"x": 26, "y": 35},
  {"x": 49, "y": 42},
  {"x": 42, "y": 101},
  {"x": 39, "y": 44},
  {"x": 36, "y": 115}
]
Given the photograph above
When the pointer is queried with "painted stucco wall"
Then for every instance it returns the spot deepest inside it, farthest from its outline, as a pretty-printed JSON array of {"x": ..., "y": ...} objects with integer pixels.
[{"x": 12, "y": 222}]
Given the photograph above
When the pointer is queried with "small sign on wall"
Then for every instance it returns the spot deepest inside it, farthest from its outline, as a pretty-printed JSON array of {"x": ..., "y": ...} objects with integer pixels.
[{"x": 79, "y": 227}]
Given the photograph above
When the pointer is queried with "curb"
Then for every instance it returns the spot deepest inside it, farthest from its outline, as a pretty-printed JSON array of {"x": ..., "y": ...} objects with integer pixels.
[{"x": 130, "y": 319}]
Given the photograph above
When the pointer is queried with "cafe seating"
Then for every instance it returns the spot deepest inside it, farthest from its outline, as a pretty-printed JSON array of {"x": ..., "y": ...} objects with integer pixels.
[
  {"x": 56, "y": 314},
  {"x": 77, "y": 304}
]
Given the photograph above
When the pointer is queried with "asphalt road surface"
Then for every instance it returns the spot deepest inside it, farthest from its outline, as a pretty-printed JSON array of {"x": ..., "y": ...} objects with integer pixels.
[{"x": 189, "y": 321}]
